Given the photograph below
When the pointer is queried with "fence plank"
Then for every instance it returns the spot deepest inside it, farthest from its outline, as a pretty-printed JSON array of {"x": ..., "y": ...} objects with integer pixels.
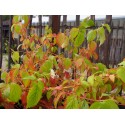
[
  {"x": 107, "y": 42},
  {"x": 55, "y": 23},
  {"x": 77, "y": 20},
  {"x": 1, "y": 25},
  {"x": 10, "y": 41}
]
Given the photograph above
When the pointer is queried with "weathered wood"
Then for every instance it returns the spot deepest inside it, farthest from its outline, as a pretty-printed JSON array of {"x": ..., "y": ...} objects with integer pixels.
[
  {"x": 9, "y": 44},
  {"x": 92, "y": 17},
  {"x": 55, "y": 23},
  {"x": 1, "y": 45},
  {"x": 40, "y": 25},
  {"x": 77, "y": 20},
  {"x": 30, "y": 24},
  {"x": 50, "y": 20},
  {"x": 64, "y": 22},
  {"x": 107, "y": 42}
]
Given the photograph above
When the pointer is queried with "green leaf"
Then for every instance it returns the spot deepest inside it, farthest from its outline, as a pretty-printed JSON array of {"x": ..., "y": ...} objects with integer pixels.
[
  {"x": 25, "y": 81},
  {"x": 80, "y": 91},
  {"x": 121, "y": 99},
  {"x": 91, "y": 80},
  {"x": 27, "y": 77},
  {"x": 121, "y": 73},
  {"x": 17, "y": 28},
  {"x": 79, "y": 39},
  {"x": 15, "y": 56},
  {"x": 98, "y": 81},
  {"x": 39, "y": 53},
  {"x": 32, "y": 45},
  {"x": 3, "y": 75},
  {"x": 122, "y": 63},
  {"x": 84, "y": 104},
  {"x": 91, "y": 35},
  {"x": 35, "y": 94},
  {"x": 87, "y": 23},
  {"x": 73, "y": 33},
  {"x": 101, "y": 67},
  {"x": 72, "y": 102},
  {"x": 107, "y": 27},
  {"x": 16, "y": 19},
  {"x": 67, "y": 63},
  {"x": 48, "y": 95},
  {"x": 101, "y": 35},
  {"x": 26, "y": 19},
  {"x": 107, "y": 104},
  {"x": 46, "y": 66},
  {"x": 15, "y": 92},
  {"x": 108, "y": 88}
]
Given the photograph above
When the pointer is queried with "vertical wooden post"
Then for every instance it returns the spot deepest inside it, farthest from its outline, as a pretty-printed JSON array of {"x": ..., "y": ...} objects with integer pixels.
[
  {"x": 1, "y": 29},
  {"x": 55, "y": 23},
  {"x": 30, "y": 24},
  {"x": 64, "y": 22},
  {"x": 50, "y": 20},
  {"x": 92, "y": 17},
  {"x": 107, "y": 42},
  {"x": 77, "y": 20},
  {"x": 10, "y": 41},
  {"x": 40, "y": 25}
]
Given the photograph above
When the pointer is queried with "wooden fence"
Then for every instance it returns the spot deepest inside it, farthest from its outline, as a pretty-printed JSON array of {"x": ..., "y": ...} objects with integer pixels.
[{"x": 110, "y": 53}]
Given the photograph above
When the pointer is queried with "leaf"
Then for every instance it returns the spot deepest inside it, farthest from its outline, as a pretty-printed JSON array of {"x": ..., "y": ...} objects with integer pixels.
[
  {"x": 92, "y": 46},
  {"x": 91, "y": 35},
  {"x": 112, "y": 78},
  {"x": 26, "y": 19},
  {"x": 87, "y": 23},
  {"x": 28, "y": 77},
  {"x": 39, "y": 53},
  {"x": 79, "y": 39},
  {"x": 120, "y": 100},
  {"x": 107, "y": 27},
  {"x": 57, "y": 99},
  {"x": 108, "y": 88},
  {"x": 122, "y": 63},
  {"x": 91, "y": 80},
  {"x": 17, "y": 28},
  {"x": 15, "y": 19},
  {"x": 25, "y": 81},
  {"x": 107, "y": 104},
  {"x": 62, "y": 40},
  {"x": 46, "y": 66},
  {"x": 101, "y": 35},
  {"x": 34, "y": 94},
  {"x": 67, "y": 63},
  {"x": 78, "y": 62},
  {"x": 73, "y": 33},
  {"x": 32, "y": 45},
  {"x": 98, "y": 81},
  {"x": 15, "y": 92},
  {"x": 3, "y": 75},
  {"x": 80, "y": 91},
  {"x": 101, "y": 67},
  {"x": 84, "y": 105},
  {"x": 15, "y": 56},
  {"x": 72, "y": 102},
  {"x": 48, "y": 95},
  {"x": 121, "y": 73}
]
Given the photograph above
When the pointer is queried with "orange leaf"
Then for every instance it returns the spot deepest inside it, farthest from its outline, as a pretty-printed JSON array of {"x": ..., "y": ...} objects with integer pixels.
[
  {"x": 62, "y": 40},
  {"x": 78, "y": 62},
  {"x": 112, "y": 78}
]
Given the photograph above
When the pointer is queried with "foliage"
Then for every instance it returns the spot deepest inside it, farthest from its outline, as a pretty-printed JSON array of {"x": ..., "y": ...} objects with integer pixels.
[{"x": 46, "y": 79}]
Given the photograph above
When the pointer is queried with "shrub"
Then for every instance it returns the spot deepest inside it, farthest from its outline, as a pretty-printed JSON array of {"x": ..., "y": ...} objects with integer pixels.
[{"x": 46, "y": 79}]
